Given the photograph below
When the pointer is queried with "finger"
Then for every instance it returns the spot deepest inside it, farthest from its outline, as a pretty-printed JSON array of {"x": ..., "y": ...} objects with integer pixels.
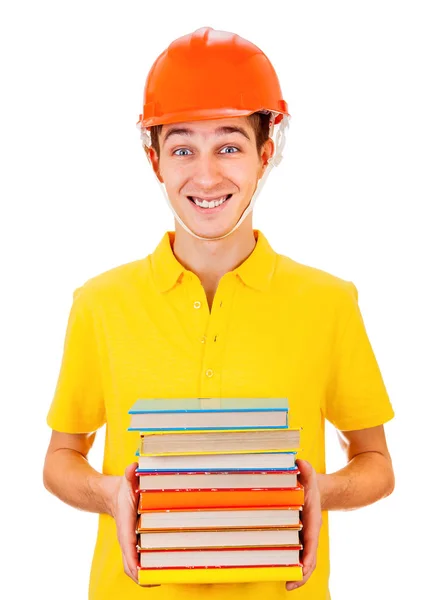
[
  {"x": 307, "y": 570},
  {"x": 131, "y": 557},
  {"x": 293, "y": 585},
  {"x": 126, "y": 528},
  {"x": 309, "y": 564},
  {"x": 311, "y": 519},
  {"x": 131, "y": 476},
  {"x": 147, "y": 584},
  {"x": 307, "y": 472},
  {"x": 312, "y": 523},
  {"x": 310, "y": 545},
  {"x": 128, "y": 571},
  {"x": 128, "y": 541}
]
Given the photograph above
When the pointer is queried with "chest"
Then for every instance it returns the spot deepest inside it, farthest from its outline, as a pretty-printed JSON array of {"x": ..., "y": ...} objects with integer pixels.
[{"x": 248, "y": 345}]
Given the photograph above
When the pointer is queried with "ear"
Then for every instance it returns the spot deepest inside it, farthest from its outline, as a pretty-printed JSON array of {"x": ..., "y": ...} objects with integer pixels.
[
  {"x": 154, "y": 160},
  {"x": 266, "y": 154}
]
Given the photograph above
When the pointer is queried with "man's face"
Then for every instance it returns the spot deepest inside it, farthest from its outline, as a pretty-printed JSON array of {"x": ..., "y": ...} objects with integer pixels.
[{"x": 210, "y": 170}]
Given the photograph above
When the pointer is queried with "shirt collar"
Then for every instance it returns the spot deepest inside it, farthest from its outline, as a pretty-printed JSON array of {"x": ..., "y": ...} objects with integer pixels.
[
  {"x": 258, "y": 268},
  {"x": 165, "y": 266},
  {"x": 256, "y": 271}
]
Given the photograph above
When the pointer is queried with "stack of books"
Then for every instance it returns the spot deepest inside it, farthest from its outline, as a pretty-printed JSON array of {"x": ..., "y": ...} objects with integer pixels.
[{"x": 220, "y": 499}]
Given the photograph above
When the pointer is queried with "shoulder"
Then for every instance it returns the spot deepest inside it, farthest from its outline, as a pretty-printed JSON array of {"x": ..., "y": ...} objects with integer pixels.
[
  {"x": 311, "y": 283},
  {"x": 114, "y": 283}
]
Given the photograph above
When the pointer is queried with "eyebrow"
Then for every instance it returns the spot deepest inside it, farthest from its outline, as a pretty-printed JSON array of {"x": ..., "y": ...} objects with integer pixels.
[{"x": 219, "y": 131}]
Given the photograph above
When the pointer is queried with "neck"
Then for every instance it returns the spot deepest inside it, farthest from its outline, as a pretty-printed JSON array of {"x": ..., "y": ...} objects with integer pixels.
[{"x": 210, "y": 260}]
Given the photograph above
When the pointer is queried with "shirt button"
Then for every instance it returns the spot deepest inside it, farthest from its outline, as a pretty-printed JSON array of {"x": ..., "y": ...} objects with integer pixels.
[
  {"x": 203, "y": 339},
  {"x": 209, "y": 372},
  {"x": 197, "y": 304}
]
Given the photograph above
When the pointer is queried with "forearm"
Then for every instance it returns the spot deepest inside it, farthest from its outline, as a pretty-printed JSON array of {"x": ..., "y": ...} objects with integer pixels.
[
  {"x": 368, "y": 477},
  {"x": 69, "y": 476}
]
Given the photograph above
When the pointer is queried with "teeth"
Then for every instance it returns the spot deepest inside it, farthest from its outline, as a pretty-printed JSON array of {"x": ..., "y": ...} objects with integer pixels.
[{"x": 206, "y": 204}]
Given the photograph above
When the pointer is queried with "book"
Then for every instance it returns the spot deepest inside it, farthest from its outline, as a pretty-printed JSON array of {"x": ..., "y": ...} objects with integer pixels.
[
  {"x": 220, "y": 557},
  {"x": 220, "y": 441},
  {"x": 208, "y": 414},
  {"x": 223, "y": 538},
  {"x": 235, "y": 518},
  {"x": 219, "y": 575},
  {"x": 267, "y": 461},
  {"x": 221, "y": 498},
  {"x": 220, "y": 480}
]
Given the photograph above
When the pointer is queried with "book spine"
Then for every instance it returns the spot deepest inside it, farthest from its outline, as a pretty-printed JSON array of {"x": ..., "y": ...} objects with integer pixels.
[
  {"x": 289, "y": 450},
  {"x": 139, "y": 452},
  {"x": 220, "y": 509},
  {"x": 261, "y": 472},
  {"x": 221, "y": 498},
  {"x": 199, "y": 575},
  {"x": 217, "y": 551},
  {"x": 200, "y": 429}
]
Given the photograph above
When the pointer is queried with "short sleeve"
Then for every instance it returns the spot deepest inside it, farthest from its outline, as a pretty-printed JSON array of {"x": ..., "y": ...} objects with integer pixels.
[
  {"x": 356, "y": 397},
  {"x": 78, "y": 404}
]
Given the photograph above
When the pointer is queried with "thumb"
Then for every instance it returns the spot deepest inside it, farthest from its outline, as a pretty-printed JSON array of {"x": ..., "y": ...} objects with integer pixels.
[
  {"x": 306, "y": 470},
  {"x": 130, "y": 474}
]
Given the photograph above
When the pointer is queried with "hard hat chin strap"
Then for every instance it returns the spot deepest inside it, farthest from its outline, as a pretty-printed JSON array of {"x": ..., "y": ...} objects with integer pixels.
[{"x": 273, "y": 162}]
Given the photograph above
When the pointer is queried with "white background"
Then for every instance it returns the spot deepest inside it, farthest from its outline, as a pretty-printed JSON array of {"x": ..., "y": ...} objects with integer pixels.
[{"x": 78, "y": 198}]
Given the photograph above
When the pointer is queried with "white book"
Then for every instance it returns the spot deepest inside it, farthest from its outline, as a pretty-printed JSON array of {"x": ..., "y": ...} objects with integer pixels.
[
  {"x": 208, "y": 420},
  {"x": 216, "y": 518},
  {"x": 220, "y": 558},
  {"x": 220, "y": 538},
  {"x": 156, "y": 414}
]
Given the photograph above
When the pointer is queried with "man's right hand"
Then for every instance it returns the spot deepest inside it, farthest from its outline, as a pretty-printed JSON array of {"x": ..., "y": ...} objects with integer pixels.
[
  {"x": 124, "y": 500},
  {"x": 123, "y": 504}
]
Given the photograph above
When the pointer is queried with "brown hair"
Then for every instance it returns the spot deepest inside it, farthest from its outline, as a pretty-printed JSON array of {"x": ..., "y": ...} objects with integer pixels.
[{"x": 260, "y": 122}]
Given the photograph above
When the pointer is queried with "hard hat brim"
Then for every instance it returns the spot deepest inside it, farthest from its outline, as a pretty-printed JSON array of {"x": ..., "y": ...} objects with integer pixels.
[{"x": 197, "y": 115}]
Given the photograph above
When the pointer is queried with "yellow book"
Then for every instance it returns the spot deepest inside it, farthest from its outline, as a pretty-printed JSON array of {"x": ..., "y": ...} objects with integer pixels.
[
  {"x": 274, "y": 451},
  {"x": 217, "y": 442},
  {"x": 220, "y": 575}
]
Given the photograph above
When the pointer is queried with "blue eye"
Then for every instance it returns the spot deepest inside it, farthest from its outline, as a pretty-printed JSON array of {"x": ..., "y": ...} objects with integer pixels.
[
  {"x": 230, "y": 148},
  {"x": 181, "y": 150}
]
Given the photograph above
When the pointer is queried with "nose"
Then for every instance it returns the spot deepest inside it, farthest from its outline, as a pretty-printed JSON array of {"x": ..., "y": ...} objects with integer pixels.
[{"x": 206, "y": 173}]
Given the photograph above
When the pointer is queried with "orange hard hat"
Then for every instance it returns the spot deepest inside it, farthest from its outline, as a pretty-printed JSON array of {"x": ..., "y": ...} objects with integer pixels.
[{"x": 210, "y": 74}]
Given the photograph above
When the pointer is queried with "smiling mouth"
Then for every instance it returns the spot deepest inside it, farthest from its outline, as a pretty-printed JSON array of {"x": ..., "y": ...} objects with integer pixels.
[{"x": 212, "y": 203}]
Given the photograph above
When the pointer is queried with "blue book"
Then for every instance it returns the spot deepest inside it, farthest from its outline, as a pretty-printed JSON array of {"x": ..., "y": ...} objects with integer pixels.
[
  {"x": 212, "y": 463},
  {"x": 201, "y": 414}
]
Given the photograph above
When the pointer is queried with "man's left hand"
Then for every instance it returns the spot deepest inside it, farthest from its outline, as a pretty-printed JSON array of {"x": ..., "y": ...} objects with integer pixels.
[{"x": 311, "y": 519}]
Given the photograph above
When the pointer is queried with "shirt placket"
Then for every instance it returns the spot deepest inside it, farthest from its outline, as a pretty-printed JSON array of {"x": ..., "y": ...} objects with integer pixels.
[{"x": 211, "y": 331}]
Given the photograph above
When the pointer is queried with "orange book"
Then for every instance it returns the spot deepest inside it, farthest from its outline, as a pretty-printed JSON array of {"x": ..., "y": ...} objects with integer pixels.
[{"x": 165, "y": 499}]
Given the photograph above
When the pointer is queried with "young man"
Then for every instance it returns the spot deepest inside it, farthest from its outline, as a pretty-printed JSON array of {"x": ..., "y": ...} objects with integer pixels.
[{"x": 212, "y": 312}]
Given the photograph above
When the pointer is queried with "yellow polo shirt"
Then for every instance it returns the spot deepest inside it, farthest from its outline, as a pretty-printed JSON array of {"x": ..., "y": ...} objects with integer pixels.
[{"x": 276, "y": 329}]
